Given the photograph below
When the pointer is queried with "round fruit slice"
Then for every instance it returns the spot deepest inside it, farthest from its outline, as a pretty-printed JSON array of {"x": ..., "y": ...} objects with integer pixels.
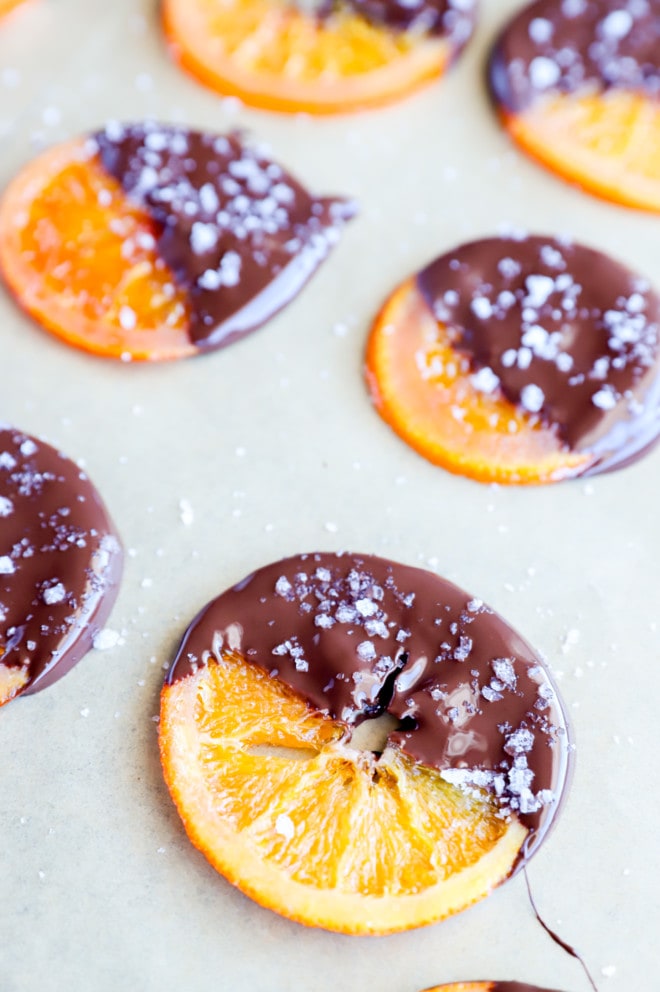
[
  {"x": 60, "y": 564},
  {"x": 262, "y": 719},
  {"x": 578, "y": 90},
  {"x": 488, "y": 987},
  {"x": 329, "y": 58},
  {"x": 523, "y": 360},
  {"x": 148, "y": 242}
]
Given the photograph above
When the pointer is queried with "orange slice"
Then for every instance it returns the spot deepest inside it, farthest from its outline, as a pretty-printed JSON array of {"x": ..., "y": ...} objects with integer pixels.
[
  {"x": 276, "y": 56},
  {"x": 421, "y": 386},
  {"x": 81, "y": 259},
  {"x": 326, "y": 835},
  {"x": 608, "y": 143},
  {"x": 487, "y": 987}
]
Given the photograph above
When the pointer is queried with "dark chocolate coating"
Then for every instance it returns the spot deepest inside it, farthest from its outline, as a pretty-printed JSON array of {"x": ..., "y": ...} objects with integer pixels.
[
  {"x": 453, "y": 20},
  {"x": 60, "y": 560},
  {"x": 561, "y": 330},
  {"x": 240, "y": 234},
  {"x": 357, "y": 636},
  {"x": 567, "y": 46}
]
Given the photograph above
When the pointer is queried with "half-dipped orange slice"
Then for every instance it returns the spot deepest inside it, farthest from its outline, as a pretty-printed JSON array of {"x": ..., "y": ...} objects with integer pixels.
[
  {"x": 322, "y": 57},
  {"x": 264, "y": 750},
  {"x": 60, "y": 564},
  {"x": 578, "y": 87},
  {"x": 149, "y": 242},
  {"x": 520, "y": 360}
]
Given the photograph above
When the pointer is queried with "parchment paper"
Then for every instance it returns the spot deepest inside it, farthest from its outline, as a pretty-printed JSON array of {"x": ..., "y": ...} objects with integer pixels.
[{"x": 275, "y": 446}]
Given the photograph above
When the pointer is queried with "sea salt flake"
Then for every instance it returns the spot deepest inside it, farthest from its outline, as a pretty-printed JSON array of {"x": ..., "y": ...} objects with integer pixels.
[
  {"x": 54, "y": 594},
  {"x": 7, "y": 566},
  {"x": 543, "y": 72},
  {"x": 106, "y": 639},
  {"x": 532, "y": 398}
]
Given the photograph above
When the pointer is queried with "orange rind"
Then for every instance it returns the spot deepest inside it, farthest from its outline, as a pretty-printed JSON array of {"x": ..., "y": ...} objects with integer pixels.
[{"x": 278, "y": 56}]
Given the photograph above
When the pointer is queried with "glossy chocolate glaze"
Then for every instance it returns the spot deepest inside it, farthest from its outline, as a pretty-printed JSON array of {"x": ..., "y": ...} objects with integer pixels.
[
  {"x": 240, "y": 234},
  {"x": 60, "y": 560},
  {"x": 564, "y": 332},
  {"x": 567, "y": 46},
  {"x": 358, "y": 636},
  {"x": 453, "y": 20}
]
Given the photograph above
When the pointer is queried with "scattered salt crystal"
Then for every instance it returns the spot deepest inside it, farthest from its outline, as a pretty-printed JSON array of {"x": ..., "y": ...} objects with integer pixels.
[
  {"x": 481, "y": 307},
  {"x": 186, "y": 512},
  {"x": 105, "y": 639},
  {"x": 6, "y": 506},
  {"x": 543, "y": 72},
  {"x": 6, "y": 565},
  {"x": 532, "y": 397},
  {"x": 540, "y": 30},
  {"x": 54, "y": 594},
  {"x": 617, "y": 24}
]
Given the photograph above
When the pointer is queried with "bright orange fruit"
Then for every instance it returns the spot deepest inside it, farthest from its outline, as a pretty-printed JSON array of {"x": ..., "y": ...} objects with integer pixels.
[
  {"x": 277, "y": 56},
  {"x": 421, "y": 386},
  {"x": 80, "y": 257},
  {"x": 608, "y": 143},
  {"x": 332, "y": 837}
]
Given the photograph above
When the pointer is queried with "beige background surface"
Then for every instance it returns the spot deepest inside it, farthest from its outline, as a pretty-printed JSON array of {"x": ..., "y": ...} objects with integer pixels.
[{"x": 274, "y": 444}]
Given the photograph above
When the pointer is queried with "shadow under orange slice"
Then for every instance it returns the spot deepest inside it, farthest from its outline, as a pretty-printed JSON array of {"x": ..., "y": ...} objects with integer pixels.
[
  {"x": 81, "y": 259},
  {"x": 607, "y": 143},
  {"x": 323, "y": 834},
  {"x": 274, "y": 55},
  {"x": 421, "y": 386}
]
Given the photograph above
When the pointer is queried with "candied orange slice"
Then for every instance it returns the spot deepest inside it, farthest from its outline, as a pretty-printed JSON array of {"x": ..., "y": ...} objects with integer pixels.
[
  {"x": 420, "y": 384},
  {"x": 307, "y": 826},
  {"x": 608, "y": 143},
  {"x": 81, "y": 259},
  {"x": 274, "y": 55},
  {"x": 464, "y": 987}
]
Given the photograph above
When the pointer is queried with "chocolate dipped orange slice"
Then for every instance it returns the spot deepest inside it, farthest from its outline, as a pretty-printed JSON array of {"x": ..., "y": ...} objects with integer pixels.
[
  {"x": 321, "y": 57},
  {"x": 520, "y": 360},
  {"x": 264, "y": 739},
  {"x": 148, "y": 242},
  {"x": 60, "y": 564},
  {"x": 577, "y": 85}
]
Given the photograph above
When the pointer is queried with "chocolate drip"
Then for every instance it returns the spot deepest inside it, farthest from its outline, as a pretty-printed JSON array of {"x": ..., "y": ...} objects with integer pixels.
[
  {"x": 60, "y": 562},
  {"x": 564, "y": 332},
  {"x": 240, "y": 235},
  {"x": 565, "y": 46},
  {"x": 473, "y": 699},
  {"x": 450, "y": 19}
]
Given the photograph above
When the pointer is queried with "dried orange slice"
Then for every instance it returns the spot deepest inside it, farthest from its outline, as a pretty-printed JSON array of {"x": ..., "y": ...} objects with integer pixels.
[
  {"x": 148, "y": 242},
  {"x": 504, "y": 361},
  {"x": 579, "y": 90},
  {"x": 284, "y": 800},
  {"x": 279, "y": 56}
]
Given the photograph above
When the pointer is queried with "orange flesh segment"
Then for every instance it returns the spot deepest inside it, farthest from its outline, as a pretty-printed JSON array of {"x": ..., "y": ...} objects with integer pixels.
[
  {"x": 326, "y": 835},
  {"x": 81, "y": 259},
  {"x": 273, "y": 55},
  {"x": 607, "y": 143},
  {"x": 421, "y": 387},
  {"x": 12, "y": 681}
]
